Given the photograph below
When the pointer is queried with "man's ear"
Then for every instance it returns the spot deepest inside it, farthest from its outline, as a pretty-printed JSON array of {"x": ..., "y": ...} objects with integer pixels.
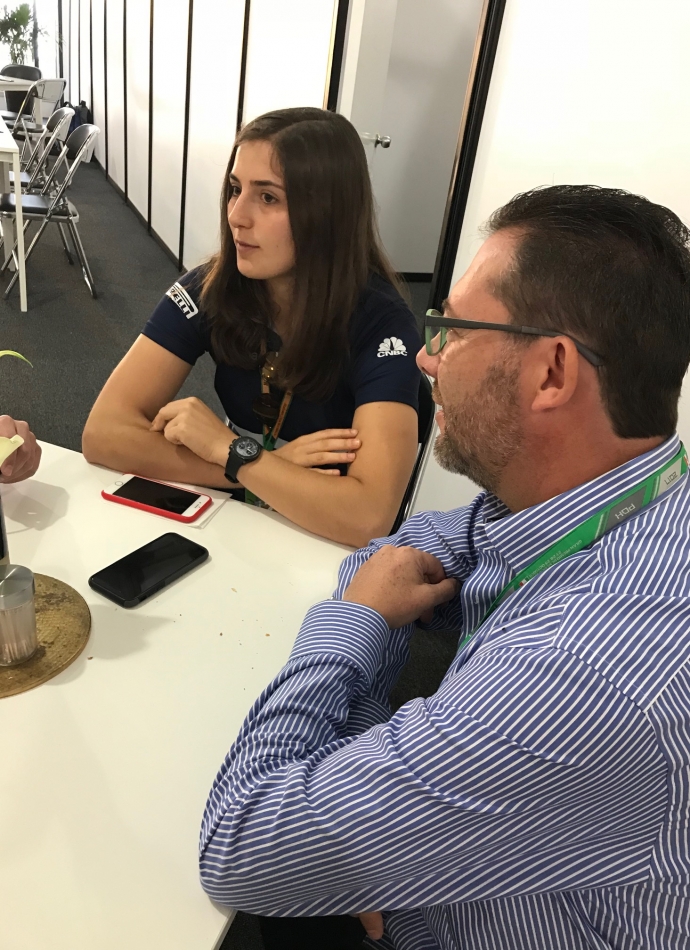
[{"x": 556, "y": 373}]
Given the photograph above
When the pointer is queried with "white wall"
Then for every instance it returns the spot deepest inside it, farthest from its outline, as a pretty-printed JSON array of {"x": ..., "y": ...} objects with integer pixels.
[
  {"x": 211, "y": 122},
  {"x": 288, "y": 63},
  {"x": 427, "y": 77},
  {"x": 113, "y": 69},
  {"x": 169, "y": 84},
  {"x": 137, "y": 52},
  {"x": 287, "y": 54},
  {"x": 583, "y": 91},
  {"x": 98, "y": 105}
]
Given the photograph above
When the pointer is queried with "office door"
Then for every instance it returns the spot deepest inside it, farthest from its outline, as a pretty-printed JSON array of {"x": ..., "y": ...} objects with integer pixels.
[{"x": 365, "y": 69}]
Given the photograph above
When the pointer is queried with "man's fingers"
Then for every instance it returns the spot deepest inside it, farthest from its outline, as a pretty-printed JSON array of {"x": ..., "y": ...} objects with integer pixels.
[
  {"x": 327, "y": 471},
  {"x": 372, "y": 921},
  {"x": 402, "y": 583},
  {"x": 8, "y": 427},
  {"x": 439, "y": 593},
  {"x": 24, "y": 461},
  {"x": 444, "y": 591},
  {"x": 431, "y": 567}
]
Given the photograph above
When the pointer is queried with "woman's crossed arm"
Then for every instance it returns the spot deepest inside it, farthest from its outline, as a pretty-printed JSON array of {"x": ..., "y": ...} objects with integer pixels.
[{"x": 135, "y": 427}]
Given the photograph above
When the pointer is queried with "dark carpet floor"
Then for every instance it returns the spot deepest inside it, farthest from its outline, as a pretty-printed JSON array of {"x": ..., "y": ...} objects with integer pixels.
[{"x": 74, "y": 342}]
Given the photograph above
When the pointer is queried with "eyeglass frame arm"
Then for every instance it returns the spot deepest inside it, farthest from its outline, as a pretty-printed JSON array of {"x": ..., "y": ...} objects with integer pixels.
[{"x": 432, "y": 320}]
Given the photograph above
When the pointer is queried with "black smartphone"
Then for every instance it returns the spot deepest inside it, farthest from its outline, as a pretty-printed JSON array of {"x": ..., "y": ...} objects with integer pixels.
[{"x": 147, "y": 570}]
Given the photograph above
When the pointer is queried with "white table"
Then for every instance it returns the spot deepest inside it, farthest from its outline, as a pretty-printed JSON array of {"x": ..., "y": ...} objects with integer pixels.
[
  {"x": 14, "y": 84},
  {"x": 106, "y": 768},
  {"x": 9, "y": 152}
]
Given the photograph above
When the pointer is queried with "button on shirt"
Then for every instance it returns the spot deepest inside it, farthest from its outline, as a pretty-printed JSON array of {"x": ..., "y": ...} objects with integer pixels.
[{"x": 540, "y": 800}]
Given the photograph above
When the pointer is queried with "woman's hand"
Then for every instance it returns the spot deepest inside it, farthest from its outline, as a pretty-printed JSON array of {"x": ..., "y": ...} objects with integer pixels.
[
  {"x": 327, "y": 447},
  {"x": 191, "y": 423}
]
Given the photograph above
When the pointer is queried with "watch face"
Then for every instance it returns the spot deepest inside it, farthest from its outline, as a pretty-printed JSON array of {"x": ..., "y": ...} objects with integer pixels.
[{"x": 247, "y": 448}]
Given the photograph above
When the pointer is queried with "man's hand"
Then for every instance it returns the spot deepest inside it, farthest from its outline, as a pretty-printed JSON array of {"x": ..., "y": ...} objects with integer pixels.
[
  {"x": 191, "y": 423},
  {"x": 372, "y": 921},
  {"x": 24, "y": 462},
  {"x": 402, "y": 584}
]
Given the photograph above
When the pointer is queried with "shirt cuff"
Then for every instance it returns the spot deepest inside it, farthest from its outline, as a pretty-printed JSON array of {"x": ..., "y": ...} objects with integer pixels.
[{"x": 355, "y": 633}]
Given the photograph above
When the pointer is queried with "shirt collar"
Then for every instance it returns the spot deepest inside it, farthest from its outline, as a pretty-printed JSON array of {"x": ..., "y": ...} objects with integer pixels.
[{"x": 523, "y": 536}]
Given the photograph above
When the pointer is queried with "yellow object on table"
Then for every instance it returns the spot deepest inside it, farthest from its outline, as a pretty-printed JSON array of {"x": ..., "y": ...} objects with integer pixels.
[{"x": 8, "y": 446}]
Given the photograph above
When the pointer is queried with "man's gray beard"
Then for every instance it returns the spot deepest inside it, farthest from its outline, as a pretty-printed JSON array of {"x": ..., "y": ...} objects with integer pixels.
[{"x": 483, "y": 435}]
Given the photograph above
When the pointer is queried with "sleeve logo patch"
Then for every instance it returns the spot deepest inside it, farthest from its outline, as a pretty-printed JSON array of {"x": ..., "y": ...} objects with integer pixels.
[
  {"x": 179, "y": 295},
  {"x": 392, "y": 346}
]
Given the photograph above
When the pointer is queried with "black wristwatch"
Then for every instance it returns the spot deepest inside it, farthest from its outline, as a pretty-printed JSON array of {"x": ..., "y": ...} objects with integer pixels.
[{"x": 242, "y": 450}]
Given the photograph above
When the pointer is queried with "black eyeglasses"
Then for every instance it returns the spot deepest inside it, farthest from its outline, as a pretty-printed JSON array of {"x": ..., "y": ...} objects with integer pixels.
[{"x": 436, "y": 328}]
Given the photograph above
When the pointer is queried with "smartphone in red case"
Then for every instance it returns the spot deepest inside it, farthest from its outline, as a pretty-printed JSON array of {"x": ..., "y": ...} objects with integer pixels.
[{"x": 157, "y": 497}]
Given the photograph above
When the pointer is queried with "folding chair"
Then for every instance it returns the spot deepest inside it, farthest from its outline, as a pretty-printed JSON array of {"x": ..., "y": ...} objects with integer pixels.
[
  {"x": 53, "y": 136},
  {"x": 425, "y": 421},
  {"x": 55, "y": 207},
  {"x": 47, "y": 92},
  {"x": 15, "y": 100}
]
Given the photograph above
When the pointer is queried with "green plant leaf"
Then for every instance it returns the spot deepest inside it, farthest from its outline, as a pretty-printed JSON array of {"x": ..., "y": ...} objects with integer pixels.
[
  {"x": 18, "y": 355},
  {"x": 15, "y": 31}
]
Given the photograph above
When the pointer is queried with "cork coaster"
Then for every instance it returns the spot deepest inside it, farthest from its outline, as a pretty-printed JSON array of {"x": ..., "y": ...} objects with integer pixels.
[{"x": 63, "y": 622}]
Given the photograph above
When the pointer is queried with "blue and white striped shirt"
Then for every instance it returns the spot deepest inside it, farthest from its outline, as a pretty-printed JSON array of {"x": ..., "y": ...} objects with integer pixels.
[{"x": 539, "y": 800}]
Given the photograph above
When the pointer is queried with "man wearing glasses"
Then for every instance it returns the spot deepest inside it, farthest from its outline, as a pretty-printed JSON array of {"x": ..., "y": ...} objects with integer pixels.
[{"x": 540, "y": 798}]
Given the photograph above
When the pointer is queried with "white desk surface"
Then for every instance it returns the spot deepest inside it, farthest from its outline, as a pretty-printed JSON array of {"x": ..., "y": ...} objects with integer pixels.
[
  {"x": 11, "y": 83},
  {"x": 106, "y": 768},
  {"x": 14, "y": 82},
  {"x": 7, "y": 142}
]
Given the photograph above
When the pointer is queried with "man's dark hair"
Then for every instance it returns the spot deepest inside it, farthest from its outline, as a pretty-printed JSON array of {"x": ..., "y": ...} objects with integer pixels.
[{"x": 612, "y": 269}]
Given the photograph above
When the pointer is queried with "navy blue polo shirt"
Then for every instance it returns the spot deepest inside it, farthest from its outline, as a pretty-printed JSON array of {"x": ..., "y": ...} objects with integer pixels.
[{"x": 384, "y": 341}]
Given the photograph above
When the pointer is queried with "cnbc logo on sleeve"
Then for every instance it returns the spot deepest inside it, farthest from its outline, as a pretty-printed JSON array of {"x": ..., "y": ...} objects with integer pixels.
[{"x": 392, "y": 346}]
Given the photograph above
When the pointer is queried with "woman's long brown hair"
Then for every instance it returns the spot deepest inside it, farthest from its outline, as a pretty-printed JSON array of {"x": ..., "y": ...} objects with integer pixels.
[{"x": 331, "y": 210}]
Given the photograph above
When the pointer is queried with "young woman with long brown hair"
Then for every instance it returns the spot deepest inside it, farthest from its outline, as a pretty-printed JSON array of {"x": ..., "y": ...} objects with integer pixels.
[{"x": 314, "y": 347}]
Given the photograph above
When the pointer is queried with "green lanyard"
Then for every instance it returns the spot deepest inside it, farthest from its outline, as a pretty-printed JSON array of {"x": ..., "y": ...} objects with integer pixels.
[
  {"x": 594, "y": 528},
  {"x": 270, "y": 438}
]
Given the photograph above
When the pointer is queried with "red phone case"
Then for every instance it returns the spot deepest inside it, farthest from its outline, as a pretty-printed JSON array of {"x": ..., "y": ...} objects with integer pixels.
[{"x": 159, "y": 511}]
